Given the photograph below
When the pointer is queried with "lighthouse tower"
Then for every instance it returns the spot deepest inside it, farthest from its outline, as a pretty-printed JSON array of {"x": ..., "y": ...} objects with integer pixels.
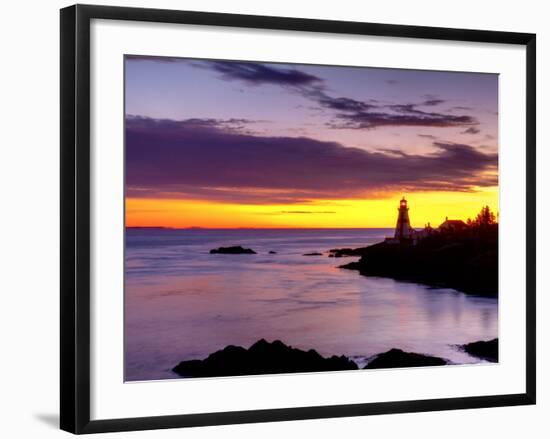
[{"x": 403, "y": 229}]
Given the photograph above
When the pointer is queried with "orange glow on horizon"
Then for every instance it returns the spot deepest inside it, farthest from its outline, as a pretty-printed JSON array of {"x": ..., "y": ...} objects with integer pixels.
[{"x": 425, "y": 207}]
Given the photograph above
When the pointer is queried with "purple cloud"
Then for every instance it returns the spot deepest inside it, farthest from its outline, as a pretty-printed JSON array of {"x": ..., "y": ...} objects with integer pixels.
[
  {"x": 189, "y": 159},
  {"x": 349, "y": 113},
  {"x": 402, "y": 117},
  {"x": 257, "y": 73},
  {"x": 340, "y": 104},
  {"x": 460, "y": 108},
  {"x": 471, "y": 130},
  {"x": 355, "y": 114},
  {"x": 433, "y": 102}
]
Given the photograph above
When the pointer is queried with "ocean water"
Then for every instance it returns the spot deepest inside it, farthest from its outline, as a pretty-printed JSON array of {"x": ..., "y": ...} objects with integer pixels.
[{"x": 182, "y": 303}]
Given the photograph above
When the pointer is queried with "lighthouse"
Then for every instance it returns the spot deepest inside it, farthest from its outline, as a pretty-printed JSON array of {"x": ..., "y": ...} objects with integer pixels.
[{"x": 403, "y": 229}]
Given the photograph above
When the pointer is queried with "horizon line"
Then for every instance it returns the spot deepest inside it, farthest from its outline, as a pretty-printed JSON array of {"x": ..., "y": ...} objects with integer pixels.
[{"x": 253, "y": 228}]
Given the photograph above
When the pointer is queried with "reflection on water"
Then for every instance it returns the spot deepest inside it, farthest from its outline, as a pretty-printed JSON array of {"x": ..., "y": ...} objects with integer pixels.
[{"x": 182, "y": 303}]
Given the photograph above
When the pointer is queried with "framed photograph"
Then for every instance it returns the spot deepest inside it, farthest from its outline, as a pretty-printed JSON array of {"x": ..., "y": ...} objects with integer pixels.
[{"x": 268, "y": 218}]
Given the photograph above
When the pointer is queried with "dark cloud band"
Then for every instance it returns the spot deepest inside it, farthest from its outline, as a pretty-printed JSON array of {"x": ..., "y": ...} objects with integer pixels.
[
  {"x": 258, "y": 73},
  {"x": 190, "y": 159}
]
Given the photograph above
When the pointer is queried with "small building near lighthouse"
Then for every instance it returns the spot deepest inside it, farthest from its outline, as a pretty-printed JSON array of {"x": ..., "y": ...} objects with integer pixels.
[{"x": 452, "y": 225}]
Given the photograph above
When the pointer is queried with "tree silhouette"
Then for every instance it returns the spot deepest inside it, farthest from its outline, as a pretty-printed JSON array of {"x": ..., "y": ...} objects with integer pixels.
[{"x": 485, "y": 217}]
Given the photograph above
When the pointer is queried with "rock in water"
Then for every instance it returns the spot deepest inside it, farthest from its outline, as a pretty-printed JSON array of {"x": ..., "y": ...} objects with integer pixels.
[
  {"x": 313, "y": 254},
  {"x": 398, "y": 358},
  {"x": 234, "y": 250},
  {"x": 262, "y": 358},
  {"x": 486, "y": 350},
  {"x": 340, "y": 252}
]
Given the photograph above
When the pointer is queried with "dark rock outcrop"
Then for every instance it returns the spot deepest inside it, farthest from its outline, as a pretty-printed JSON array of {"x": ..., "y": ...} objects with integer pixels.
[
  {"x": 313, "y": 254},
  {"x": 341, "y": 252},
  {"x": 399, "y": 358},
  {"x": 466, "y": 261},
  {"x": 234, "y": 250},
  {"x": 262, "y": 358},
  {"x": 486, "y": 350},
  {"x": 271, "y": 252}
]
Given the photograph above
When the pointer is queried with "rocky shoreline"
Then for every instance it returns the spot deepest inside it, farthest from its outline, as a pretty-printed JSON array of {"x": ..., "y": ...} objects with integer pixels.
[
  {"x": 485, "y": 350},
  {"x": 398, "y": 358},
  {"x": 261, "y": 358},
  {"x": 466, "y": 261},
  {"x": 276, "y": 357}
]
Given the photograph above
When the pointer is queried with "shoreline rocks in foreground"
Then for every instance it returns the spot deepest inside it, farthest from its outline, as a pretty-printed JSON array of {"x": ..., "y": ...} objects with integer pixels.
[
  {"x": 234, "y": 250},
  {"x": 276, "y": 357},
  {"x": 262, "y": 358},
  {"x": 485, "y": 350},
  {"x": 398, "y": 358}
]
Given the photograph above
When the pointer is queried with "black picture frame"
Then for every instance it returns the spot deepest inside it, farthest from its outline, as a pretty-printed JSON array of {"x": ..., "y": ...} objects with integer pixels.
[{"x": 75, "y": 217}]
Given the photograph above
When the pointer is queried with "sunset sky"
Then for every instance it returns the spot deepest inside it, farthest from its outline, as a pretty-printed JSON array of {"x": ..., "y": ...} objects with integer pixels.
[{"x": 246, "y": 144}]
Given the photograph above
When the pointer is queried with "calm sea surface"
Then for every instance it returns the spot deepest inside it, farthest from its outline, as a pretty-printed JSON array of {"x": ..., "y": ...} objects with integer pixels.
[{"x": 183, "y": 303}]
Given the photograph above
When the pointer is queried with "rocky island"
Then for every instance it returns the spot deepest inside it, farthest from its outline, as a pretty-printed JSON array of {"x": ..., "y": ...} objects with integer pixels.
[{"x": 234, "y": 250}]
